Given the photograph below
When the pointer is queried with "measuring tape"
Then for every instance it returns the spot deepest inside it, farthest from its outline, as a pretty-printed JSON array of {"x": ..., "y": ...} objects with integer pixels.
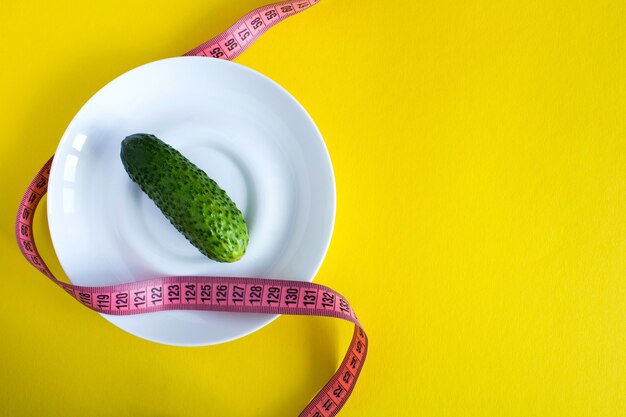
[{"x": 237, "y": 295}]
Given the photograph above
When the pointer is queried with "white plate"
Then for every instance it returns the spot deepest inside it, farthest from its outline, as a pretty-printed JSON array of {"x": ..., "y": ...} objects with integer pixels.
[{"x": 244, "y": 131}]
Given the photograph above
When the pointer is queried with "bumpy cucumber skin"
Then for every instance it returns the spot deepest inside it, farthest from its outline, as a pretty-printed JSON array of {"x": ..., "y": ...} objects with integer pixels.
[{"x": 190, "y": 200}]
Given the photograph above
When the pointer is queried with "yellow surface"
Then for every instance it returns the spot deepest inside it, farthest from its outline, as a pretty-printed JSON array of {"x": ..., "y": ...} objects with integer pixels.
[{"x": 479, "y": 151}]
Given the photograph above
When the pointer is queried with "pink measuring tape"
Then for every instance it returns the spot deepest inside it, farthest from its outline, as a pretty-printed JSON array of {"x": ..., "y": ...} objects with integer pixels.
[{"x": 238, "y": 295}]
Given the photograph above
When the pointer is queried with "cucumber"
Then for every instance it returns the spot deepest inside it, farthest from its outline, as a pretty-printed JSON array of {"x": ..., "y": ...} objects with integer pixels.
[{"x": 191, "y": 201}]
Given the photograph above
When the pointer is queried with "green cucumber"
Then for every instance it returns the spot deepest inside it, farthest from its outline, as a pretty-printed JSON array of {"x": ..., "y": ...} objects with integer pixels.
[{"x": 191, "y": 201}]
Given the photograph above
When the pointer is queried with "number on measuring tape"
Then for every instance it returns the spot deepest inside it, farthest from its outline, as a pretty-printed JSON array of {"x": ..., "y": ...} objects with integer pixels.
[
  {"x": 309, "y": 298},
  {"x": 255, "y": 294},
  {"x": 337, "y": 391},
  {"x": 205, "y": 294},
  {"x": 290, "y": 297},
  {"x": 231, "y": 44},
  {"x": 155, "y": 295},
  {"x": 32, "y": 197},
  {"x": 189, "y": 293},
  {"x": 103, "y": 301},
  {"x": 139, "y": 299},
  {"x": 244, "y": 34},
  {"x": 272, "y": 295},
  {"x": 327, "y": 301},
  {"x": 173, "y": 294},
  {"x": 221, "y": 294},
  {"x": 238, "y": 293},
  {"x": 344, "y": 306},
  {"x": 85, "y": 298},
  {"x": 27, "y": 246},
  {"x": 303, "y": 5},
  {"x": 255, "y": 24},
  {"x": 121, "y": 300},
  {"x": 216, "y": 52},
  {"x": 41, "y": 184},
  {"x": 270, "y": 14}
]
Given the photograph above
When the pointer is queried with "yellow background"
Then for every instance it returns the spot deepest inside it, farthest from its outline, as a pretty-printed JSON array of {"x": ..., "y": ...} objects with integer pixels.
[{"x": 479, "y": 152}]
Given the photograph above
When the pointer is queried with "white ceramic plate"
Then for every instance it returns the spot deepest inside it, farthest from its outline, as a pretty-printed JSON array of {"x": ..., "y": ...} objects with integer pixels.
[{"x": 244, "y": 131}]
